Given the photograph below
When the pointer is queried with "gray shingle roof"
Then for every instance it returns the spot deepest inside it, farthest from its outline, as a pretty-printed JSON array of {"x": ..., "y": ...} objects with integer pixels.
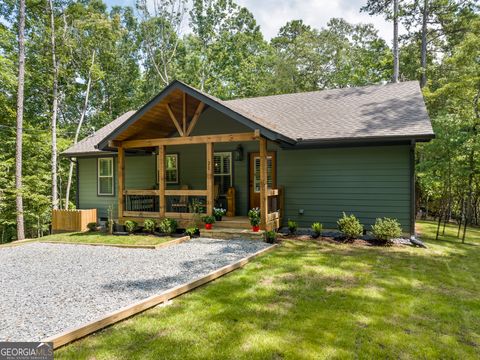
[
  {"x": 376, "y": 111},
  {"x": 365, "y": 112},
  {"x": 87, "y": 145}
]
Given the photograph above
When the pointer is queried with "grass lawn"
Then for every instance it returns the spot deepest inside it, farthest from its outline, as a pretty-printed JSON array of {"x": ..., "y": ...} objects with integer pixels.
[
  {"x": 316, "y": 300},
  {"x": 104, "y": 238}
]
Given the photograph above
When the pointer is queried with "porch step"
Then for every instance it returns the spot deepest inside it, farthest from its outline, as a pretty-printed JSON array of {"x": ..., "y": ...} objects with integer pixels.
[
  {"x": 231, "y": 234},
  {"x": 235, "y": 222}
]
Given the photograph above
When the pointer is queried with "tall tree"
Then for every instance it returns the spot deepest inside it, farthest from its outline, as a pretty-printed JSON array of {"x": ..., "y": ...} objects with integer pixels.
[
  {"x": 19, "y": 143},
  {"x": 54, "y": 106},
  {"x": 391, "y": 10}
]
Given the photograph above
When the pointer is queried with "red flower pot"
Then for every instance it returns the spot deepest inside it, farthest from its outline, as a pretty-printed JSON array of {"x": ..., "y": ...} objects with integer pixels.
[
  {"x": 256, "y": 228},
  {"x": 208, "y": 226}
]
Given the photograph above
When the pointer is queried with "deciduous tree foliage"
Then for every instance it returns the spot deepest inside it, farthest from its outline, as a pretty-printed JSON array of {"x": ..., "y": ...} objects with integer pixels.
[{"x": 129, "y": 54}]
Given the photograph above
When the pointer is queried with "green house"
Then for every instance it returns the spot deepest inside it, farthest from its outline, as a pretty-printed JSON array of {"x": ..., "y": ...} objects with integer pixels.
[{"x": 305, "y": 156}]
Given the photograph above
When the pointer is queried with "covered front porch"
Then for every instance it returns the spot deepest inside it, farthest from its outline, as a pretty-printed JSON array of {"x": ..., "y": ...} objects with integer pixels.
[{"x": 233, "y": 170}]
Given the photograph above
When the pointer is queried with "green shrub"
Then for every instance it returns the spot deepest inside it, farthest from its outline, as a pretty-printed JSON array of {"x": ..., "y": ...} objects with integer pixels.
[
  {"x": 131, "y": 226},
  {"x": 386, "y": 229},
  {"x": 92, "y": 226},
  {"x": 317, "y": 229},
  {"x": 292, "y": 226},
  {"x": 168, "y": 226},
  {"x": 149, "y": 225},
  {"x": 270, "y": 237},
  {"x": 192, "y": 231},
  {"x": 350, "y": 226},
  {"x": 209, "y": 219}
]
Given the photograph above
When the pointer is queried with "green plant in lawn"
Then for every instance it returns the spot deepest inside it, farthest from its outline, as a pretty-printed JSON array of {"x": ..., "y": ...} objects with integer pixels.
[
  {"x": 131, "y": 226},
  {"x": 168, "y": 226},
  {"x": 149, "y": 225},
  {"x": 254, "y": 216},
  {"x": 92, "y": 226},
  {"x": 270, "y": 237},
  {"x": 292, "y": 226},
  {"x": 208, "y": 219},
  {"x": 350, "y": 226},
  {"x": 317, "y": 229},
  {"x": 192, "y": 231},
  {"x": 386, "y": 229}
]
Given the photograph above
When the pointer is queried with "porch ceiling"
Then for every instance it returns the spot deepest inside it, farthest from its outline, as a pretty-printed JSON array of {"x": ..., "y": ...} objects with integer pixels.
[{"x": 156, "y": 121}]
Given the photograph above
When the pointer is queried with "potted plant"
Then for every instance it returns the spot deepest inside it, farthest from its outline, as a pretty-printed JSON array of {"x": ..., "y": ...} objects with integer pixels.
[
  {"x": 208, "y": 220},
  {"x": 218, "y": 213},
  {"x": 254, "y": 217},
  {"x": 193, "y": 232}
]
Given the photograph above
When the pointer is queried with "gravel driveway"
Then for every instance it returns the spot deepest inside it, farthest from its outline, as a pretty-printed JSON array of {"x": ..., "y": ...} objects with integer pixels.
[{"x": 48, "y": 288}]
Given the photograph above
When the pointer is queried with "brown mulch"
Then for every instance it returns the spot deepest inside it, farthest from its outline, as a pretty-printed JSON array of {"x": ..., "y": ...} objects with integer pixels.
[{"x": 332, "y": 240}]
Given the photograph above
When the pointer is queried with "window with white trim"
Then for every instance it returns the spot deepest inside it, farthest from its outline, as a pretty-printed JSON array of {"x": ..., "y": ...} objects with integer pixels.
[
  {"x": 256, "y": 175},
  {"x": 171, "y": 168},
  {"x": 222, "y": 171},
  {"x": 105, "y": 176}
]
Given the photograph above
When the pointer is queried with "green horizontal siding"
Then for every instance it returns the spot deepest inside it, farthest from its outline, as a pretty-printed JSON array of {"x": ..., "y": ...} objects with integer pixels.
[{"x": 369, "y": 182}]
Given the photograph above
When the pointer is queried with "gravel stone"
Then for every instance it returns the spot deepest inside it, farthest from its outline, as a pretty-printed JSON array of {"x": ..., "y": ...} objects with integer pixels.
[{"x": 48, "y": 288}]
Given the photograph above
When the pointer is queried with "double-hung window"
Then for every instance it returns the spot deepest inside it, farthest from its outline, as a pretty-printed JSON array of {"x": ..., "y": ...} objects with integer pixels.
[
  {"x": 222, "y": 171},
  {"x": 105, "y": 176},
  {"x": 171, "y": 168}
]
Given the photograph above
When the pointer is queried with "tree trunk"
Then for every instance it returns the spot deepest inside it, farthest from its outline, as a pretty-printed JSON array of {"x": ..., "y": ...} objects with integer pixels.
[
  {"x": 19, "y": 139},
  {"x": 396, "y": 66},
  {"x": 423, "y": 80},
  {"x": 54, "y": 108},
  {"x": 462, "y": 214},
  {"x": 77, "y": 132}
]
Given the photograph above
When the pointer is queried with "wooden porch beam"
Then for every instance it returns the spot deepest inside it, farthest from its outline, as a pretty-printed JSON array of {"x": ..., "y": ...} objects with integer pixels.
[
  {"x": 263, "y": 184},
  {"x": 202, "y": 139},
  {"x": 121, "y": 180},
  {"x": 195, "y": 118},
  {"x": 174, "y": 119},
  {"x": 210, "y": 179},
  {"x": 184, "y": 114},
  {"x": 161, "y": 181}
]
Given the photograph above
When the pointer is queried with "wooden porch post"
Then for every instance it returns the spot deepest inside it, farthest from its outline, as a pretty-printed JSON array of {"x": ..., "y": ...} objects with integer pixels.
[
  {"x": 161, "y": 181},
  {"x": 263, "y": 183},
  {"x": 120, "y": 179},
  {"x": 210, "y": 181}
]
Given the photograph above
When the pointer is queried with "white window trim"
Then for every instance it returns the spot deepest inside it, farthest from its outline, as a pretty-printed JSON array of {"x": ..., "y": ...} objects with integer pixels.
[
  {"x": 230, "y": 173},
  {"x": 176, "y": 169},
  {"x": 105, "y": 176},
  {"x": 255, "y": 179}
]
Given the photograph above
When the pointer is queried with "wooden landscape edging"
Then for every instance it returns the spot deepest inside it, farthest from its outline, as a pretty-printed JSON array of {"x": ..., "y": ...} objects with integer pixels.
[
  {"x": 130, "y": 246},
  {"x": 78, "y": 332}
]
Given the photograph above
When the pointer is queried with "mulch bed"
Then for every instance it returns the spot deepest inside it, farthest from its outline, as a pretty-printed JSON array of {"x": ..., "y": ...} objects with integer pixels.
[{"x": 336, "y": 240}]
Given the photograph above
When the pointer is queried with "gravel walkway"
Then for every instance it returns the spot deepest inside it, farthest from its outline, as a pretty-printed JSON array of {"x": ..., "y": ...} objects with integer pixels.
[{"x": 48, "y": 288}]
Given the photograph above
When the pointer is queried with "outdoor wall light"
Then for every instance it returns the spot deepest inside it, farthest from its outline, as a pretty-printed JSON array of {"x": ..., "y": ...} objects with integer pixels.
[
  {"x": 301, "y": 211},
  {"x": 238, "y": 153}
]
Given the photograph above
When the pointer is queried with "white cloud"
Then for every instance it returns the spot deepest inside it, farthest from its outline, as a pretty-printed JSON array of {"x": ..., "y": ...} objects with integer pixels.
[{"x": 273, "y": 14}]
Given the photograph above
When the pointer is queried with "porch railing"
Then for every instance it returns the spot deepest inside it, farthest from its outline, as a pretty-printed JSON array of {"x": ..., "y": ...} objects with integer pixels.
[
  {"x": 276, "y": 206},
  {"x": 178, "y": 203}
]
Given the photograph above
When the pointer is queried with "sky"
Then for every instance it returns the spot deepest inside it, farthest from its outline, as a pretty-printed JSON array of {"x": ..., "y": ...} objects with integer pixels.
[{"x": 273, "y": 14}]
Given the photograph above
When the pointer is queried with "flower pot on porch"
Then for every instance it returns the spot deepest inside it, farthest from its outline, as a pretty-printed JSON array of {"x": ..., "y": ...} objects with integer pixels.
[
  {"x": 208, "y": 226},
  {"x": 218, "y": 218},
  {"x": 255, "y": 228}
]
